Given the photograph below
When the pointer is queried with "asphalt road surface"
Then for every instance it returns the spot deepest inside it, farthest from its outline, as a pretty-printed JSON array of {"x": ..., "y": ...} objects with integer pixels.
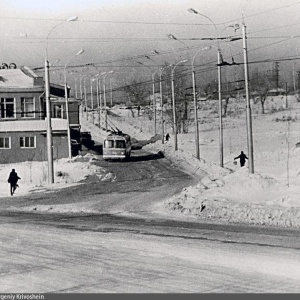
[{"x": 126, "y": 248}]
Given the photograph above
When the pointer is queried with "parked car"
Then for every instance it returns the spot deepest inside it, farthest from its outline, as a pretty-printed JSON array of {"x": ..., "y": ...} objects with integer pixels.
[
  {"x": 75, "y": 147},
  {"x": 86, "y": 139}
]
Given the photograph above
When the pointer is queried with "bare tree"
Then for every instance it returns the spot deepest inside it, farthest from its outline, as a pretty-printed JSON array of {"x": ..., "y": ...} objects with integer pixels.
[
  {"x": 226, "y": 106},
  {"x": 136, "y": 92},
  {"x": 260, "y": 81}
]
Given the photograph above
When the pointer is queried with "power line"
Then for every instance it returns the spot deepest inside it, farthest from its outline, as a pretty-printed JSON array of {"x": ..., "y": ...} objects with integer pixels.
[
  {"x": 260, "y": 13},
  {"x": 108, "y": 22},
  {"x": 152, "y": 23}
]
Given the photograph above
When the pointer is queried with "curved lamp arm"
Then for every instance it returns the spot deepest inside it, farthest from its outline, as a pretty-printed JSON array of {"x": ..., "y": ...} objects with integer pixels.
[
  {"x": 71, "y": 19},
  {"x": 193, "y": 11}
]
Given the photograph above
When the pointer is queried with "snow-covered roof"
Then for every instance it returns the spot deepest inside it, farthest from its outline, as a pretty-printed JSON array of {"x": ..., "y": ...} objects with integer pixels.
[
  {"x": 16, "y": 78},
  {"x": 276, "y": 90},
  {"x": 33, "y": 125}
]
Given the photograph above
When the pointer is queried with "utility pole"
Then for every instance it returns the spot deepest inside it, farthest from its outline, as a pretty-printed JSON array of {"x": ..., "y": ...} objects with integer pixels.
[
  {"x": 49, "y": 127},
  {"x": 98, "y": 103},
  {"x": 85, "y": 100},
  {"x": 276, "y": 74},
  {"x": 92, "y": 101},
  {"x": 174, "y": 103},
  {"x": 220, "y": 110},
  {"x": 111, "y": 93},
  {"x": 154, "y": 102},
  {"x": 161, "y": 106},
  {"x": 174, "y": 113},
  {"x": 196, "y": 116},
  {"x": 80, "y": 87},
  {"x": 68, "y": 119},
  {"x": 248, "y": 107},
  {"x": 81, "y": 98},
  {"x": 76, "y": 94},
  {"x": 105, "y": 105},
  {"x": 286, "y": 96}
]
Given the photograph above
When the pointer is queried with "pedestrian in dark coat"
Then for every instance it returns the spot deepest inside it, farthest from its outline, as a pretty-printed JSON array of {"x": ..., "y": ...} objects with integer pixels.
[
  {"x": 167, "y": 137},
  {"x": 242, "y": 158},
  {"x": 13, "y": 180}
]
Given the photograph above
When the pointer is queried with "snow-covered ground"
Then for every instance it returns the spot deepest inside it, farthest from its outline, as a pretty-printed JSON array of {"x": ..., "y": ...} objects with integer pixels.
[
  {"x": 34, "y": 175},
  {"x": 270, "y": 196}
]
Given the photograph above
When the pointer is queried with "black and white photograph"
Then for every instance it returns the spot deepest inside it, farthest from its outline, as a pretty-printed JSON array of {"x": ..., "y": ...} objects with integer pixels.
[{"x": 149, "y": 147}]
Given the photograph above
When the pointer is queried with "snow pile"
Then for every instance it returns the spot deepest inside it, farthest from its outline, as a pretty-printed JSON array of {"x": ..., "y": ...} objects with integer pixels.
[
  {"x": 240, "y": 186},
  {"x": 34, "y": 175},
  {"x": 234, "y": 195}
]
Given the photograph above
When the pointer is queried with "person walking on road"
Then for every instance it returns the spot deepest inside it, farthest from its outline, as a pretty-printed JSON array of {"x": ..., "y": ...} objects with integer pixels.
[
  {"x": 13, "y": 180},
  {"x": 242, "y": 158}
]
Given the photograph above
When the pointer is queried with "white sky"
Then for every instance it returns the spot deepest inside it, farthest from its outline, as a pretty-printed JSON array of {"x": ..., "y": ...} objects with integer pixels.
[{"x": 36, "y": 18}]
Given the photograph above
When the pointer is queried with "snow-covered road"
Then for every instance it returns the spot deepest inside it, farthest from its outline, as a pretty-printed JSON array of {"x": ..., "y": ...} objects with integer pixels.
[{"x": 96, "y": 256}]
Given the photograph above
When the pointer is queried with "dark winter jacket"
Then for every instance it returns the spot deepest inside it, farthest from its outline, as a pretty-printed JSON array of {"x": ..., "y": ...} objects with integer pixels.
[{"x": 13, "y": 178}]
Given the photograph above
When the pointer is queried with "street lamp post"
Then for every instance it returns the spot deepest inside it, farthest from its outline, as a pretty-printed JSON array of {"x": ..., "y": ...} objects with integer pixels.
[
  {"x": 98, "y": 97},
  {"x": 67, "y": 104},
  {"x": 294, "y": 77},
  {"x": 173, "y": 103},
  {"x": 100, "y": 100},
  {"x": 248, "y": 109},
  {"x": 193, "y": 11},
  {"x": 49, "y": 127},
  {"x": 220, "y": 111},
  {"x": 92, "y": 100},
  {"x": 111, "y": 93},
  {"x": 92, "y": 96},
  {"x": 195, "y": 105},
  {"x": 161, "y": 102},
  {"x": 48, "y": 106},
  {"x": 85, "y": 99},
  {"x": 154, "y": 101},
  {"x": 80, "y": 90},
  {"x": 104, "y": 94}
]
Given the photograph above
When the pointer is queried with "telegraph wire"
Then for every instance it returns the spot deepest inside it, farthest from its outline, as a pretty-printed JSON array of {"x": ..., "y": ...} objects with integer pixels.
[{"x": 153, "y": 23}]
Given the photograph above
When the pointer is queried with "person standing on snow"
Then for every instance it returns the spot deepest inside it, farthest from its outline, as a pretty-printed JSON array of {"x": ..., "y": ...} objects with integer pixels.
[
  {"x": 13, "y": 180},
  {"x": 242, "y": 158},
  {"x": 167, "y": 137}
]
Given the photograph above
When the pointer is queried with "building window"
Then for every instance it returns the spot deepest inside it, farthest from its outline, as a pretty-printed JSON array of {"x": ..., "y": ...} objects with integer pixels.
[
  {"x": 4, "y": 142},
  {"x": 27, "y": 142},
  {"x": 59, "y": 111},
  {"x": 7, "y": 108},
  {"x": 27, "y": 108}
]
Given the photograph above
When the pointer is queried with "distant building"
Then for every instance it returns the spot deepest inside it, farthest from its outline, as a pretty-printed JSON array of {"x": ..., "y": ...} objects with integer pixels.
[
  {"x": 23, "y": 117},
  {"x": 276, "y": 92}
]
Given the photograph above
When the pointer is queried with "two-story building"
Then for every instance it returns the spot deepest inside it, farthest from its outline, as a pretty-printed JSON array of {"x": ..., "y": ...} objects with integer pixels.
[{"x": 23, "y": 117}]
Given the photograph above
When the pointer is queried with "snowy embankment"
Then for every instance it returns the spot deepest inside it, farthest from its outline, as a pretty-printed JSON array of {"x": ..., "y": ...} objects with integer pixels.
[{"x": 233, "y": 195}]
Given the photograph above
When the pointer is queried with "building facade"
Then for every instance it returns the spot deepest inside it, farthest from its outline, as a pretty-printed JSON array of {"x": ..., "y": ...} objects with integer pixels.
[{"x": 23, "y": 118}]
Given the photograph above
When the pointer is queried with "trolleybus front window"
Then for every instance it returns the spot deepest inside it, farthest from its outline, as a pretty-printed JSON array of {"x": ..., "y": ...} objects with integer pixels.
[
  {"x": 108, "y": 144},
  {"x": 120, "y": 144}
]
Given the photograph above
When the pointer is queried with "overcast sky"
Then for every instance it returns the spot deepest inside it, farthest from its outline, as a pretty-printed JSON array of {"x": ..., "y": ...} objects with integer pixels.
[{"x": 110, "y": 31}]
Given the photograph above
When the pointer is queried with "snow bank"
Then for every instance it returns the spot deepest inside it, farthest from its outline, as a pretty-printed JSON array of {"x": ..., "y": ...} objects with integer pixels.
[
  {"x": 34, "y": 175},
  {"x": 233, "y": 194}
]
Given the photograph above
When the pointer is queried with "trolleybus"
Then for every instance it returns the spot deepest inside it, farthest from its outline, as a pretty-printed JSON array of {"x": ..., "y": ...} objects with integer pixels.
[{"x": 117, "y": 145}]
